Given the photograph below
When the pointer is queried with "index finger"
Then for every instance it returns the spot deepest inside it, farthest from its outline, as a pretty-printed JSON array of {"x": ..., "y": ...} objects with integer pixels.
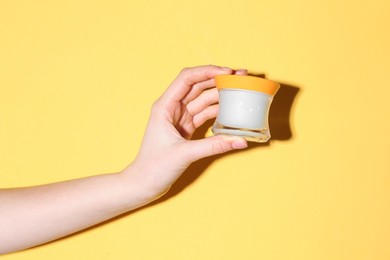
[{"x": 190, "y": 76}]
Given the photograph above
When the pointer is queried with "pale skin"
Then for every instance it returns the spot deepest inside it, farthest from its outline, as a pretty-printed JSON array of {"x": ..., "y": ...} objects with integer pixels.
[{"x": 36, "y": 215}]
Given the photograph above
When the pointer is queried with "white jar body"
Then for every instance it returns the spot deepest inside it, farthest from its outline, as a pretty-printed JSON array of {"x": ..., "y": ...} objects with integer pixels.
[{"x": 243, "y": 113}]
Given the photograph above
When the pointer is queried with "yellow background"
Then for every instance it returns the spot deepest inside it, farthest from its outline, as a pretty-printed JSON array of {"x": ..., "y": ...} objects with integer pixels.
[{"x": 77, "y": 80}]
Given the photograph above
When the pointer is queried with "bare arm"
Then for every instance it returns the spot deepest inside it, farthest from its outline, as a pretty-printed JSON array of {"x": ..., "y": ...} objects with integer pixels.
[{"x": 36, "y": 215}]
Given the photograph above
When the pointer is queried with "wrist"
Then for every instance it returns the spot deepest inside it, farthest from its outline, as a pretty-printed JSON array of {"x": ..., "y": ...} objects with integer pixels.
[{"x": 142, "y": 184}]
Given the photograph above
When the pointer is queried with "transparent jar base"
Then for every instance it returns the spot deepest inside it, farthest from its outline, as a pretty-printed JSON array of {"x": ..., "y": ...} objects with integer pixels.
[{"x": 252, "y": 135}]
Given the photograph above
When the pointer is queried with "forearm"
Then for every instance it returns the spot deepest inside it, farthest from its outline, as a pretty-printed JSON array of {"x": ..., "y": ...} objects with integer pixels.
[{"x": 36, "y": 215}]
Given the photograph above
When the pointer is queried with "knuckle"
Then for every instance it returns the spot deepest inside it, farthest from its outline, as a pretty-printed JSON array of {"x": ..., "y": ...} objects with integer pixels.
[
  {"x": 219, "y": 147},
  {"x": 156, "y": 105},
  {"x": 186, "y": 76},
  {"x": 185, "y": 70}
]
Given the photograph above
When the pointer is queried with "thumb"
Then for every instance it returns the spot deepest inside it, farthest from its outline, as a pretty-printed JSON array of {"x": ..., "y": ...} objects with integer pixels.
[{"x": 214, "y": 145}]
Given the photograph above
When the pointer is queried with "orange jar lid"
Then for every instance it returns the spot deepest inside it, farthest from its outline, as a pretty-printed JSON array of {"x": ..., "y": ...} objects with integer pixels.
[{"x": 247, "y": 83}]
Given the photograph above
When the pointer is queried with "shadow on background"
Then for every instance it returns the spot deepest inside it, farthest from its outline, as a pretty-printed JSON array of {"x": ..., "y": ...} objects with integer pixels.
[
  {"x": 280, "y": 127},
  {"x": 280, "y": 111}
]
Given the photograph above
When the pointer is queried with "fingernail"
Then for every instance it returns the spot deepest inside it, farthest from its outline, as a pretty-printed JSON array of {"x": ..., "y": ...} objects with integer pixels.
[
  {"x": 239, "y": 144},
  {"x": 242, "y": 70}
]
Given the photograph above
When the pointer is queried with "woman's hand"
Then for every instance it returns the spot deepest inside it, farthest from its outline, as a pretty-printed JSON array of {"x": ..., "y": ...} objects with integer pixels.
[{"x": 167, "y": 150}]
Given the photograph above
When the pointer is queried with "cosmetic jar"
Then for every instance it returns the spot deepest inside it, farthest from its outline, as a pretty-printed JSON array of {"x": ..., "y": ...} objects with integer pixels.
[{"x": 244, "y": 103}]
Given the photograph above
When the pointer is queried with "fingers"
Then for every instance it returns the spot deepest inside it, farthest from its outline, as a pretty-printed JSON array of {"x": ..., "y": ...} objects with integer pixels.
[
  {"x": 197, "y": 89},
  {"x": 202, "y": 103},
  {"x": 213, "y": 145},
  {"x": 204, "y": 100},
  {"x": 189, "y": 77},
  {"x": 208, "y": 113}
]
